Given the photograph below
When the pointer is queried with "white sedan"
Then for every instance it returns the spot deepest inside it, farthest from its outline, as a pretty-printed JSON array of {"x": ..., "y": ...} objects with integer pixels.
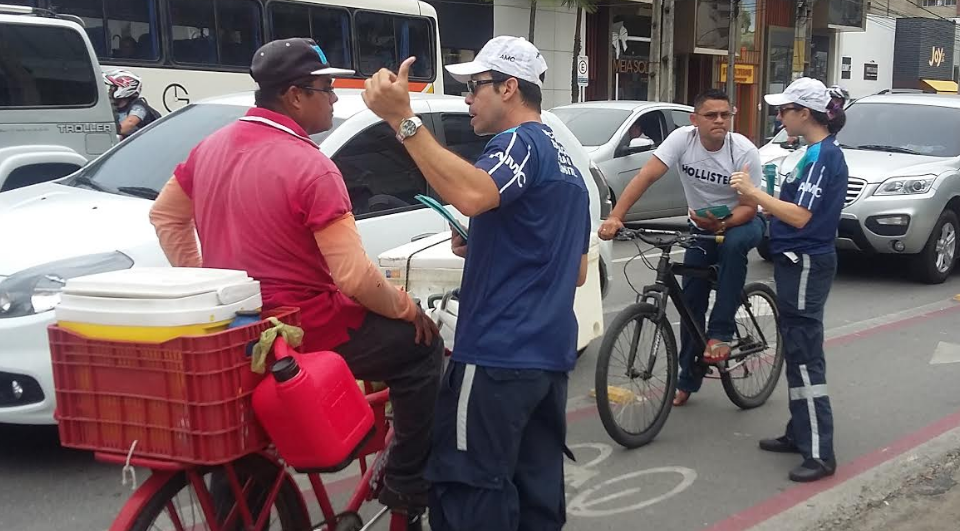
[{"x": 97, "y": 219}]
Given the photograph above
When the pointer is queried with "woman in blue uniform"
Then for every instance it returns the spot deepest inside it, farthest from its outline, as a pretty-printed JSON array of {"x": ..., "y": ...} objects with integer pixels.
[{"x": 803, "y": 230}]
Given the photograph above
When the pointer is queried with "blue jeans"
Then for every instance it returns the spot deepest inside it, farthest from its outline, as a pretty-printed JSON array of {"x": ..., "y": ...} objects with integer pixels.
[{"x": 731, "y": 256}]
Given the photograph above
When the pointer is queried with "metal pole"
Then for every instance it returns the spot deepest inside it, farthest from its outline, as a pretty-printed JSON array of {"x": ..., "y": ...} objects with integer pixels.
[
  {"x": 732, "y": 52},
  {"x": 666, "y": 53},
  {"x": 653, "y": 61}
]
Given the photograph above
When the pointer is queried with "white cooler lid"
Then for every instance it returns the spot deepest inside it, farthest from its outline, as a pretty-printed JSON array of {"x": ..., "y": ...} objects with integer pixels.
[{"x": 159, "y": 282}]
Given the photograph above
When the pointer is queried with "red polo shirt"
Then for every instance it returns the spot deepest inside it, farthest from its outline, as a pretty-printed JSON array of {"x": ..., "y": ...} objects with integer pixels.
[{"x": 260, "y": 189}]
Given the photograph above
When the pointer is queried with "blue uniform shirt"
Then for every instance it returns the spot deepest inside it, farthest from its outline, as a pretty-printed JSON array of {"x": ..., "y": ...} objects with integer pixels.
[
  {"x": 819, "y": 184},
  {"x": 520, "y": 275}
]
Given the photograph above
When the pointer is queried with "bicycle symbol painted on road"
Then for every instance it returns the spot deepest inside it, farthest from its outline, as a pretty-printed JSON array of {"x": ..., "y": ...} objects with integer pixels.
[{"x": 612, "y": 495}]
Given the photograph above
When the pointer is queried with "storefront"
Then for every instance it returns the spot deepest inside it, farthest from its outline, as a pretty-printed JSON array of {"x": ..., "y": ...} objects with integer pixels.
[
  {"x": 923, "y": 55},
  {"x": 620, "y": 35}
]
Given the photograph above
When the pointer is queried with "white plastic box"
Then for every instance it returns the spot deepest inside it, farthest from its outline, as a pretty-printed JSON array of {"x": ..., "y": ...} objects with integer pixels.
[{"x": 154, "y": 304}]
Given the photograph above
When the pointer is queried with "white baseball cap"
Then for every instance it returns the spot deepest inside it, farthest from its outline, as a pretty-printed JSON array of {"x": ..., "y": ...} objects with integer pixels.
[
  {"x": 513, "y": 56},
  {"x": 806, "y": 92}
]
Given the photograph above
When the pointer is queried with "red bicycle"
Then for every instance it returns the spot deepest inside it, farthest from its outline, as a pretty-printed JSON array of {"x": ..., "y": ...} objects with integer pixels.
[{"x": 179, "y": 410}]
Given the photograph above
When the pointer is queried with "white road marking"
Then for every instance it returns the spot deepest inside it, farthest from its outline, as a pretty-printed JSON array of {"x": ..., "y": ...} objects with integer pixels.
[{"x": 945, "y": 353}]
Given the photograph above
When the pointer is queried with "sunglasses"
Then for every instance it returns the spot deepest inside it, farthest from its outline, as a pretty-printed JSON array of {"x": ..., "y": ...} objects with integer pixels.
[
  {"x": 787, "y": 108},
  {"x": 474, "y": 85}
]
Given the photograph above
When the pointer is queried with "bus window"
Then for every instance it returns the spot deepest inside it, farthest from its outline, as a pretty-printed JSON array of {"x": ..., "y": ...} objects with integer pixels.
[
  {"x": 385, "y": 40},
  {"x": 329, "y": 27},
  {"x": 239, "y": 31},
  {"x": 331, "y": 30},
  {"x": 229, "y": 38},
  {"x": 131, "y": 27},
  {"x": 119, "y": 29},
  {"x": 45, "y": 66},
  {"x": 193, "y": 31}
]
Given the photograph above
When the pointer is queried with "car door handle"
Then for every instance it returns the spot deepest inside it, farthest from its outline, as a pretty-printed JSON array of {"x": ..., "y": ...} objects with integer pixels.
[{"x": 422, "y": 236}]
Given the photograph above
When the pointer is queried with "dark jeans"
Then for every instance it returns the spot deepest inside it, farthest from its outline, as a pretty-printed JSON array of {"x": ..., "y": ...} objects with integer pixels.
[
  {"x": 731, "y": 255},
  {"x": 802, "y": 290},
  {"x": 384, "y": 350},
  {"x": 497, "y": 461}
]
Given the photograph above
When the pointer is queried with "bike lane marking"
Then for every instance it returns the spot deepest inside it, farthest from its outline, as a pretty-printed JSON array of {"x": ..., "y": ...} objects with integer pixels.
[{"x": 582, "y": 407}]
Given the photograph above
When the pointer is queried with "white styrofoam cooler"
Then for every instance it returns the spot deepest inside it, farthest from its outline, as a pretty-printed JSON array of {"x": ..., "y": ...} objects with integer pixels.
[
  {"x": 428, "y": 267},
  {"x": 158, "y": 297}
]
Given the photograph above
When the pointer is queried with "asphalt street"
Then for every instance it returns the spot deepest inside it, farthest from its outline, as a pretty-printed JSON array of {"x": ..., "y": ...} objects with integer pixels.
[{"x": 893, "y": 350}]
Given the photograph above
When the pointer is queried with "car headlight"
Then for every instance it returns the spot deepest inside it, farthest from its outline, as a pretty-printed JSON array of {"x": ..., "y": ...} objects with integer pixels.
[
  {"x": 37, "y": 289},
  {"x": 920, "y": 184}
]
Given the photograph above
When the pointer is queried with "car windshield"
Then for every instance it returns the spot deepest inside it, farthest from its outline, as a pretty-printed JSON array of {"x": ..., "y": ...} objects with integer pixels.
[
  {"x": 591, "y": 125},
  {"x": 142, "y": 164},
  {"x": 901, "y": 128}
]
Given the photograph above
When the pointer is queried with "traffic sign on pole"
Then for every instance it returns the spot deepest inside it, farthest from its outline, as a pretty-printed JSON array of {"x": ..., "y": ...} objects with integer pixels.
[{"x": 582, "y": 69}]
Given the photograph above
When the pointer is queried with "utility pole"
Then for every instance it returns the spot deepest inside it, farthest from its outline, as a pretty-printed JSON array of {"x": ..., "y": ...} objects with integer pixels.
[
  {"x": 732, "y": 50},
  {"x": 653, "y": 66},
  {"x": 666, "y": 53}
]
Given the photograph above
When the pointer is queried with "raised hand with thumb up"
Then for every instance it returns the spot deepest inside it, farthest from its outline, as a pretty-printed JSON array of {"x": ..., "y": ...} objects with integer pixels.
[
  {"x": 741, "y": 182},
  {"x": 387, "y": 94}
]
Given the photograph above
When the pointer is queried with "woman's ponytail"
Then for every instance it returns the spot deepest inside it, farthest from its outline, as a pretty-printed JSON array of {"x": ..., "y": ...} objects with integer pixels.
[{"x": 834, "y": 119}]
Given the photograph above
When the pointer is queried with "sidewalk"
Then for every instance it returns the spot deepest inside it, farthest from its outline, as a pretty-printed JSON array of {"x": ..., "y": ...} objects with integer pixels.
[{"x": 929, "y": 501}]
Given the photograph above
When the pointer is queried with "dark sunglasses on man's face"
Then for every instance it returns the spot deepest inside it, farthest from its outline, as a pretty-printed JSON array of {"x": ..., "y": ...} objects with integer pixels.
[{"x": 474, "y": 84}]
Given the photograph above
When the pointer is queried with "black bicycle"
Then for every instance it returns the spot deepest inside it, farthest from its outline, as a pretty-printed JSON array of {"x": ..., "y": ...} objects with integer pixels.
[{"x": 637, "y": 375}]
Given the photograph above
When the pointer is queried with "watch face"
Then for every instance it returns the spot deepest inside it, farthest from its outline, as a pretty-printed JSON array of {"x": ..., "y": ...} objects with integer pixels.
[{"x": 407, "y": 127}]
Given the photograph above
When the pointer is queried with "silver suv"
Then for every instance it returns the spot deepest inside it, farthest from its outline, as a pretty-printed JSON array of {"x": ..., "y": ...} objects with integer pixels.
[
  {"x": 903, "y": 197},
  {"x": 55, "y": 113}
]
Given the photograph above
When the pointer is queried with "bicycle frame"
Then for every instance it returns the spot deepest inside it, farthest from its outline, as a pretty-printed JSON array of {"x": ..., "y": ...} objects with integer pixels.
[
  {"x": 666, "y": 287},
  {"x": 366, "y": 489}
]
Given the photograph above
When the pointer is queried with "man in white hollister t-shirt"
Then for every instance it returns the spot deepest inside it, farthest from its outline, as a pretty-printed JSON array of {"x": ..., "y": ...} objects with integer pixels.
[{"x": 706, "y": 154}]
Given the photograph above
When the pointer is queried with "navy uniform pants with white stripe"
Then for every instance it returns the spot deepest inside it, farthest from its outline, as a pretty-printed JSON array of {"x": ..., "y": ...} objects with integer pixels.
[
  {"x": 498, "y": 447},
  {"x": 802, "y": 289}
]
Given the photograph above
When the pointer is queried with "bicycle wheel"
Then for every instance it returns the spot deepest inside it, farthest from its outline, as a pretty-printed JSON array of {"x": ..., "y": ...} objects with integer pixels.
[
  {"x": 750, "y": 380},
  {"x": 624, "y": 355},
  {"x": 174, "y": 505}
]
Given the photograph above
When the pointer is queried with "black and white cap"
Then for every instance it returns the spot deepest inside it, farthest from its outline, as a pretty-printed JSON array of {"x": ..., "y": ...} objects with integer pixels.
[{"x": 285, "y": 60}]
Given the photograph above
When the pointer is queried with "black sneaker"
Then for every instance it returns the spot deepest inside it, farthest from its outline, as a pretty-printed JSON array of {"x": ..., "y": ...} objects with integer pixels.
[
  {"x": 782, "y": 445},
  {"x": 813, "y": 469}
]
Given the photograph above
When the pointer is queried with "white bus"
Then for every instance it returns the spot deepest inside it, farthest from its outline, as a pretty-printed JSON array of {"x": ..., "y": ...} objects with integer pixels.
[{"x": 187, "y": 50}]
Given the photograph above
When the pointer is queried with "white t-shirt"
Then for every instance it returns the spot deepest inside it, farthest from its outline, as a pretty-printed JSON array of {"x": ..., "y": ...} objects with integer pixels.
[{"x": 706, "y": 174}]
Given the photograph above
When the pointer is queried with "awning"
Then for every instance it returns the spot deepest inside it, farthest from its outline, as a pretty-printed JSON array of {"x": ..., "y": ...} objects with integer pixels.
[{"x": 940, "y": 86}]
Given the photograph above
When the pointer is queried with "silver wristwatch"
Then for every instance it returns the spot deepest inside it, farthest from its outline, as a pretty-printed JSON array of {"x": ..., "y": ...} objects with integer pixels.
[{"x": 408, "y": 127}]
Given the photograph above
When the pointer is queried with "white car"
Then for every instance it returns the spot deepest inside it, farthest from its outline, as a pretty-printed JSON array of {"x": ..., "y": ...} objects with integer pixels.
[{"x": 97, "y": 218}]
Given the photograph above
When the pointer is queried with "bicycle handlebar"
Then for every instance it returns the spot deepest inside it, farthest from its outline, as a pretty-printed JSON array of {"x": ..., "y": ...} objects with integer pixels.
[{"x": 666, "y": 238}]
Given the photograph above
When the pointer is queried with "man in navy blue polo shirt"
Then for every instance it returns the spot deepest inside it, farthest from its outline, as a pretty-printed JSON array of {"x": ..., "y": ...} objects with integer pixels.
[{"x": 497, "y": 459}]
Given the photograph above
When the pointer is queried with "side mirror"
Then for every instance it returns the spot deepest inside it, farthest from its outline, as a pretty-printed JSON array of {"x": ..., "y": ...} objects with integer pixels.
[{"x": 641, "y": 143}]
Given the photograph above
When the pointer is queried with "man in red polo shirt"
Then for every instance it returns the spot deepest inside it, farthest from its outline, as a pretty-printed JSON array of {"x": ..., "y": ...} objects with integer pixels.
[{"x": 265, "y": 200}]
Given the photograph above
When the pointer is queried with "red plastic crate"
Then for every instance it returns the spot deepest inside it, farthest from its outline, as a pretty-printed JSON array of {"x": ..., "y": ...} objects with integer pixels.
[{"x": 186, "y": 400}]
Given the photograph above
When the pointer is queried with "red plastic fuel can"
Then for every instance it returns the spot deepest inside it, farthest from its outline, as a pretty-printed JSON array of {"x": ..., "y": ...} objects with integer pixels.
[{"x": 312, "y": 408}]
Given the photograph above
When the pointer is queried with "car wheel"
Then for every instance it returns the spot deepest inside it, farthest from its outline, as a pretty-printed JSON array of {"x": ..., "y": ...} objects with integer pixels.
[
  {"x": 935, "y": 262},
  {"x": 763, "y": 249}
]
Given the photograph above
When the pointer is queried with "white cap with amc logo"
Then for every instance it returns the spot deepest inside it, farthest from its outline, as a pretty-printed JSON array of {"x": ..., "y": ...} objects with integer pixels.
[{"x": 513, "y": 56}]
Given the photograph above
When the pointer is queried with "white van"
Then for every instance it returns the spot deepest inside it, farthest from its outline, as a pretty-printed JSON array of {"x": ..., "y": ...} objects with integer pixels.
[{"x": 55, "y": 112}]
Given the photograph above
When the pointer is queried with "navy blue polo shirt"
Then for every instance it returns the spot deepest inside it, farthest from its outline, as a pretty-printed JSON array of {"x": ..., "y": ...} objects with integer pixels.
[
  {"x": 520, "y": 275},
  {"x": 818, "y": 183}
]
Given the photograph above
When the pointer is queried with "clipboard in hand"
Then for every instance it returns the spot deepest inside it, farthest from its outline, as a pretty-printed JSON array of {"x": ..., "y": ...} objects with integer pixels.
[{"x": 435, "y": 205}]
